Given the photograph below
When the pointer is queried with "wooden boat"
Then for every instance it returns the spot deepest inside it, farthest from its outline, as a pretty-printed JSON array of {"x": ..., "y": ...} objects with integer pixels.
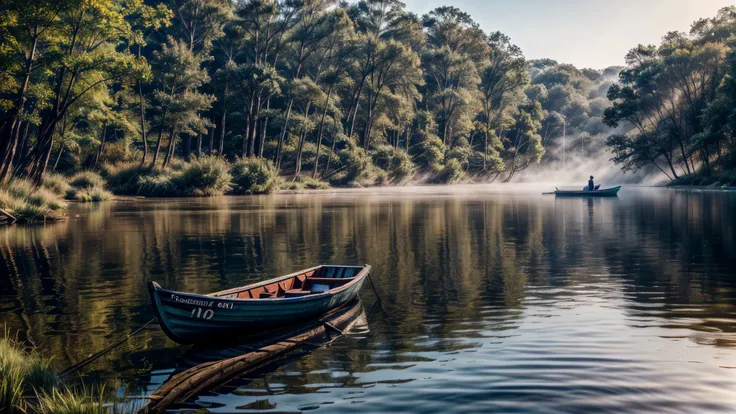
[
  {"x": 189, "y": 317},
  {"x": 605, "y": 192}
]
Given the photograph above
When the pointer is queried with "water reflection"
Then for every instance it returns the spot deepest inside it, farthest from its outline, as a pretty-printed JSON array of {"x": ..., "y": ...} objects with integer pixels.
[{"x": 496, "y": 301}]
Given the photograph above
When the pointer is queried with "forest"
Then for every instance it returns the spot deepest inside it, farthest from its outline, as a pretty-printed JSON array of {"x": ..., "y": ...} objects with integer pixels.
[{"x": 205, "y": 97}]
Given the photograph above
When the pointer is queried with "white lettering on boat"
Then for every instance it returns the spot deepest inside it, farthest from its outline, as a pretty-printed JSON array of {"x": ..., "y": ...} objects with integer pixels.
[
  {"x": 197, "y": 313},
  {"x": 203, "y": 303},
  {"x": 195, "y": 302}
]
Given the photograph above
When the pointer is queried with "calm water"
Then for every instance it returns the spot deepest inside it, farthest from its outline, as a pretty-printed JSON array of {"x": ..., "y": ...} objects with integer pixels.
[{"x": 496, "y": 301}]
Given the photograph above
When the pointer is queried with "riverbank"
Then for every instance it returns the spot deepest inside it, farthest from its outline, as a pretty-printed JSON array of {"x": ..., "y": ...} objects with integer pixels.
[{"x": 725, "y": 179}]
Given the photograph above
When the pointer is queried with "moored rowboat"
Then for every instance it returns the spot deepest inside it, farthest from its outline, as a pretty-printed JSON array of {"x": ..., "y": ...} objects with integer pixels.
[
  {"x": 190, "y": 317},
  {"x": 606, "y": 192}
]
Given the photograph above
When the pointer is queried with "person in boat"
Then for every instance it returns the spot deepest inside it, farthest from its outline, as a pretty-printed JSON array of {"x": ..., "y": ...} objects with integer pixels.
[{"x": 591, "y": 184}]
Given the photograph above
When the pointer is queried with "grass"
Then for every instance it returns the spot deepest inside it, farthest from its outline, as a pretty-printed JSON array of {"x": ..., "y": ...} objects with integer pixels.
[
  {"x": 28, "y": 203},
  {"x": 88, "y": 187},
  {"x": 24, "y": 373},
  {"x": 56, "y": 183},
  {"x": 157, "y": 185},
  {"x": 92, "y": 195},
  {"x": 86, "y": 179}
]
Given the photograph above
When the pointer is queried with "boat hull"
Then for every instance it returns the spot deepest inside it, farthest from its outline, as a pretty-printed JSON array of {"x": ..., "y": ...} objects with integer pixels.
[
  {"x": 188, "y": 318},
  {"x": 607, "y": 192}
]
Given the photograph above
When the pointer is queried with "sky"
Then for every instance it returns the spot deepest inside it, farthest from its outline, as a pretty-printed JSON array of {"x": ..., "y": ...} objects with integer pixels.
[{"x": 586, "y": 33}]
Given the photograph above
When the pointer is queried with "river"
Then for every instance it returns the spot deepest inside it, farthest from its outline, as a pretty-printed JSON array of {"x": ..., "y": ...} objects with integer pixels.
[{"x": 497, "y": 298}]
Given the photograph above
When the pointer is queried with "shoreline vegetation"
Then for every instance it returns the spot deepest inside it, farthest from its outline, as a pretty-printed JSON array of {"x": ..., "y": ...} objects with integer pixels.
[
  {"x": 208, "y": 97},
  {"x": 30, "y": 384}
]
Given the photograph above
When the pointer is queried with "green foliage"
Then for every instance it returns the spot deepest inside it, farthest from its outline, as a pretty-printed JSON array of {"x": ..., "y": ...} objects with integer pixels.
[
  {"x": 203, "y": 177},
  {"x": 358, "y": 167},
  {"x": 253, "y": 176},
  {"x": 124, "y": 177},
  {"x": 402, "y": 168},
  {"x": 452, "y": 172}
]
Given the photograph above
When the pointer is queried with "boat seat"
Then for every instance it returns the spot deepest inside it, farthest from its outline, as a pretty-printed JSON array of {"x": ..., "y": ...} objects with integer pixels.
[
  {"x": 295, "y": 293},
  {"x": 319, "y": 288}
]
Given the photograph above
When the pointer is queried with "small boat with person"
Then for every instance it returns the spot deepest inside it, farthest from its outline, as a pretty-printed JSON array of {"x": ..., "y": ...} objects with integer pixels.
[
  {"x": 603, "y": 192},
  {"x": 190, "y": 317}
]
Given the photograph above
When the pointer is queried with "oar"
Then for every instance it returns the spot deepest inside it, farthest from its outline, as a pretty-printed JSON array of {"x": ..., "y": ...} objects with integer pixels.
[{"x": 91, "y": 359}]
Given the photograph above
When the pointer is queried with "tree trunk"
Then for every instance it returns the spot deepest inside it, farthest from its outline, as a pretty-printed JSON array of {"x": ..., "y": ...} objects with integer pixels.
[
  {"x": 210, "y": 143},
  {"x": 170, "y": 150},
  {"x": 58, "y": 157},
  {"x": 321, "y": 130},
  {"x": 143, "y": 123},
  {"x": 102, "y": 143},
  {"x": 10, "y": 136},
  {"x": 158, "y": 140},
  {"x": 282, "y": 136},
  {"x": 20, "y": 153}
]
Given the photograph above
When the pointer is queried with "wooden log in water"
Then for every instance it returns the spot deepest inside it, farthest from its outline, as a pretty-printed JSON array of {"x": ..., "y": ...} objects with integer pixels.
[
  {"x": 6, "y": 218},
  {"x": 210, "y": 375}
]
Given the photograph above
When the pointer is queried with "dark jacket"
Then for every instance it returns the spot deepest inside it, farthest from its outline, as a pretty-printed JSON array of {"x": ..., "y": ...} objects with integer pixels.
[{"x": 591, "y": 185}]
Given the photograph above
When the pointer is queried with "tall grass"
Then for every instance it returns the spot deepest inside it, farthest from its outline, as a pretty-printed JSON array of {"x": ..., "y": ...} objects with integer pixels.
[
  {"x": 88, "y": 187},
  {"x": 86, "y": 179},
  {"x": 26, "y": 376},
  {"x": 22, "y": 373},
  {"x": 56, "y": 183},
  {"x": 27, "y": 202},
  {"x": 124, "y": 177}
]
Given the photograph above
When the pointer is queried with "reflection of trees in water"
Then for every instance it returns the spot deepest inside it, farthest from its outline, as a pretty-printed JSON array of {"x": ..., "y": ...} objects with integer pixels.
[{"x": 440, "y": 264}]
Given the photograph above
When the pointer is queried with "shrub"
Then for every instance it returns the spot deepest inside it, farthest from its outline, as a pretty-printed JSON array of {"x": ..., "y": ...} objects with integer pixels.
[
  {"x": 254, "y": 176},
  {"x": 402, "y": 168},
  {"x": 206, "y": 176},
  {"x": 86, "y": 179},
  {"x": 358, "y": 166},
  {"x": 124, "y": 177},
  {"x": 451, "y": 173},
  {"x": 56, "y": 183}
]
